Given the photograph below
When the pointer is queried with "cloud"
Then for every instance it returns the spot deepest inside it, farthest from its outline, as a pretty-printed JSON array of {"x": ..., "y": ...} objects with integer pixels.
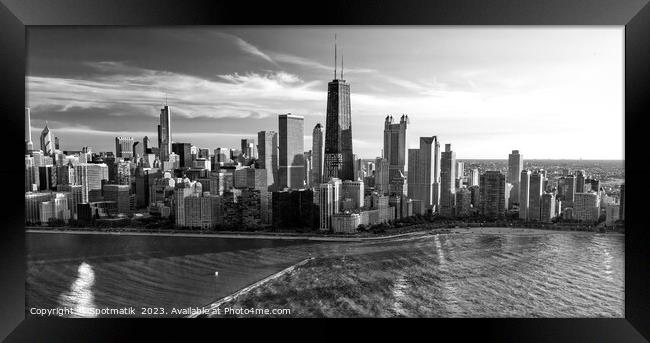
[
  {"x": 247, "y": 47},
  {"x": 128, "y": 90}
]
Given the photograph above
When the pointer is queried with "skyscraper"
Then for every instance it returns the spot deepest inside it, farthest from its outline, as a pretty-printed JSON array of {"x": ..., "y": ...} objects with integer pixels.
[
  {"x": 165, "y": 134},
  {"x": 580, "y": 181},
  {"x": 473, "y": 177},
  {"x": 515, "y": 166},
  {"x": 248, "y": 147},
  {"x": 317, "y": 155},
  {"x": 90, "y": 176},
  {"x": 146, "y": 145},
  {"x": 535, "y": 196},
  {"x": 47, "y": 144},
  {"x": 28, "y": 131},
  {"x": 291, "y": 165},
  {"x": 492, "y": 198},
  {"x": 621, "y": 213},
  {"x": 586, "y": 206},
  {"x": 421, "y": 180},
  {"x": 524, "y": 194},
  {"x": 184, "y": 152},
  {"x": 268, "y": 156},
  {"x": 382, "y": 173},
  {"x": 124, "y": 147},
  {"x": 395, "y": 145},
  {"x": 138, "y": 150},
  {"x": 338, "y": 130},
  {"x": 330, "y": 197},
  {"x": 548, "y": 207},
  {"x": 447, "y": 181}
]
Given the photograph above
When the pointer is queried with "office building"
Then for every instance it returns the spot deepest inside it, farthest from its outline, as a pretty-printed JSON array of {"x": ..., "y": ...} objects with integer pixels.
[
  {"x": 291, "y": 168},
  {"x": 586, "y": 207},
  {"x": 47, "y": 143},
  {"x": 580, "y": 181},
  {"x": 165, "y": 134},
  {"x": 317, "y": 150},
  {"x": 124, "y": 147},
  {"x": 91, "y": 176},
  {"x": 268, "y": 156},
  {"x": 353, "y": 190},
  {"x": 421, "y": 178},
  {"x": 55, "y": 209},
  {"x": 184, "y": 152},
  {"x": 33, "y": 202},
  {"x": 395, "y": 141},
  {"x": 120, "y": 194},
  {"x": 338, "y": 159},
  {"x": 293, "y": 208},
  {"x": 515, "y": 166},
  {"x": 29, "y": 145}
]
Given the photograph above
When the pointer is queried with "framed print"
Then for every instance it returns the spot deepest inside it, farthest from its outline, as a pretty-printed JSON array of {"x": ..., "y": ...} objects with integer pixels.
[{"x": 443, "y": 165}]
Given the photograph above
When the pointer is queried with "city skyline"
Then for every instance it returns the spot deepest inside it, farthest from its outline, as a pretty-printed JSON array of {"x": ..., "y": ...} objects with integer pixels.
[{"x": 109, "y": 95}]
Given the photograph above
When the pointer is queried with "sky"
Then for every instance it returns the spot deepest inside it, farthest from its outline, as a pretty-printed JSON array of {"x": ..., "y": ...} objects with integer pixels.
[{"x": 549, "y": 92}]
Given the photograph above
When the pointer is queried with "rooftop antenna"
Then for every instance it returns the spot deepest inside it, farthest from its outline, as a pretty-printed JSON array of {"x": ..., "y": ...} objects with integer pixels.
[
  {"x": 334, "y": 56},
  {"x": 341, "y": 66}
]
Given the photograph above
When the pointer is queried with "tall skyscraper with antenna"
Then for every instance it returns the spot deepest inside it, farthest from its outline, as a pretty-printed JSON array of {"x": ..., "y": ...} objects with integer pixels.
[
  {"x": 29, "y": 145},
  {"x": 165, "y": 133},
  {"x": 338, "y": 159}
]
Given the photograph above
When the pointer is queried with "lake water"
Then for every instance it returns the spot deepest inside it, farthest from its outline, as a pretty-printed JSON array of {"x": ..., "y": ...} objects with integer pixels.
[{"x": 566, "y": 274}]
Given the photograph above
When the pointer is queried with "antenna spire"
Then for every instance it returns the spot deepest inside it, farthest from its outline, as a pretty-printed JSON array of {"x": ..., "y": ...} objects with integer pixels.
[
  {"x": 341, "y": 65},
  {"x": 334, "y": 56}
]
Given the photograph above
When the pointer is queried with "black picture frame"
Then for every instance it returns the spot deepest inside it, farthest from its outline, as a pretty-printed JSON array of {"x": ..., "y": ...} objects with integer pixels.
[{"x": 16, "y": 15}]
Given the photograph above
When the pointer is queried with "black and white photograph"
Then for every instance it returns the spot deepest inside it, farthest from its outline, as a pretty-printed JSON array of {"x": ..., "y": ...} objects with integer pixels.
[{"x": 325, "y": 172}]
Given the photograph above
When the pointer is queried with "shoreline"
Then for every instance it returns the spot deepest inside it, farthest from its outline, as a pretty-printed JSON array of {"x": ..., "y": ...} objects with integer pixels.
[{"x": 319, "y": 238}]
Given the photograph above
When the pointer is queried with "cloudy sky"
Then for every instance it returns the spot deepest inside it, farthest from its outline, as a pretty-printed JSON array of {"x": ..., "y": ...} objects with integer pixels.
[{"x": 549, "y": 92}]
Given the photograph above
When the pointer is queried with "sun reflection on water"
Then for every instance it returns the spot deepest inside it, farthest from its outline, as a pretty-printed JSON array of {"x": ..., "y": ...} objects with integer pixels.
[{"x": 80, "y": 297}]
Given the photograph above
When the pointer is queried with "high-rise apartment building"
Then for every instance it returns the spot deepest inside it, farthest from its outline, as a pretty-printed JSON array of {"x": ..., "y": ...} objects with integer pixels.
[
  {"x": 547, "y": 212},
  {"x": 515, "y": 166},
  {"x": 382, "y": 175},
  {"x": 536, "y": 189},
  {"x": 447, "y": 181},
  {"x": 524, "y": 194},
  {"x": 492, "y": 188}
]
